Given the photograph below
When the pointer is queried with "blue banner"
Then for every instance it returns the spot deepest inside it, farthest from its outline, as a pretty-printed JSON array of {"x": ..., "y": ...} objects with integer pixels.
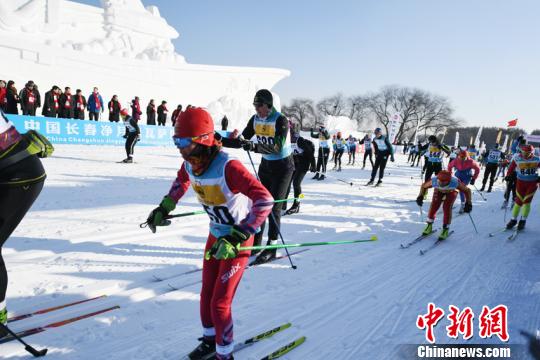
[{"x": 73, "y": 131}]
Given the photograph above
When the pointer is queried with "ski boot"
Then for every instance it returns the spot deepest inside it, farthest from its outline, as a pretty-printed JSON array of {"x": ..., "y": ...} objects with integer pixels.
[
  {"x": 265, "y": 256},
  {"x": 483, "y": 187},
  {"x": 223, "y": 357},
  {"x": 205, "y": 348},
  {"x": 505, "y": 204},
  {"x": 370, "y": 182},
  {"x": 3, "y": 321},
  {"x": 295, "y": 208},
  {"x": 322, "y": 177},
  {"x": 363, "y": 167},
  {"x": 316, "y": 177},
  {"x": 444, "y": 233},
  {"x": 461, "y": 208},
  {"x": 128, "y": 160},
  {"x": 378, "y": 182},
  {"x": 428, "y": 229},
  {"x": 339, "y": 168},
  {"x": 511, "y": 224},
  {"x": 521, "y": 224}
]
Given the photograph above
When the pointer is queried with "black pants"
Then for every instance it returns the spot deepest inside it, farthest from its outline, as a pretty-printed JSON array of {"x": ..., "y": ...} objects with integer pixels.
[
  {"x": 432, "y": 168},
  {"x": 276, "y": 176},
  {"x": 370, "y": 154},
  {"x": 337, "y": 157},
  {"x": 490, "y": 172},
  {"x": 14, "y": 203},
  {"x": 296, "y": 181},
  {"x": 322, "y": 159},
  {"x": 93, "y": 115},
  {"x": 352, "y": 154},
  {"x": 510, "y": 188},
  {"x": 412, "y": 156},
  {"x": 380, "y": 164},
  {"x": 130, "y": 144}
]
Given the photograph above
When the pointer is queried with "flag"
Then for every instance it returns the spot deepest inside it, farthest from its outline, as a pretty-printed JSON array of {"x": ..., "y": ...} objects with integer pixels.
[
  {"x": 477, "y": 140},
  {"x": 512, "y": 123},
  {"x": 456, "y": 141}
]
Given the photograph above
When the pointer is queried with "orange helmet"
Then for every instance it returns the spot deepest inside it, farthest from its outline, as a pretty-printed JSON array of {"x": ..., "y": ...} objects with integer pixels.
[
  {"x": 124, "y": 112},
  {"x": 444, "y": 177},
  {"x": 463, "y": 154},
  {"x": 195, "y": 124},
  {"x": 527, "y": 151}
]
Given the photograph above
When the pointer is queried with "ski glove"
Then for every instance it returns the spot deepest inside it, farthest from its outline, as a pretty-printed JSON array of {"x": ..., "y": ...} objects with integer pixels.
[
  {"x": 472, "y": 182},
  {"x": 420, "y": 200},
  {"x": 467, "y": 208},
  {"x": 226, "y": 247},
  {"x": 392, "y": 158},
  {"x": 38, "y": 144},
  {"x": 249, "y": 146},
  {"x": 157, "y": 216}
]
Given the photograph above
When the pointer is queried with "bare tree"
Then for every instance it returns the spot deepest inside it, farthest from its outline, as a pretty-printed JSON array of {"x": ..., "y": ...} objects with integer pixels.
[
  {"x": 358, "y": 109},
  {"x": 334, "y": 105},
  {"x": 301, "y": 111}
]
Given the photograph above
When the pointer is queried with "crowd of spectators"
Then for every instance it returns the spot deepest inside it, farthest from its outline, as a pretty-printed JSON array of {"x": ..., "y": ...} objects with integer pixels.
[{"x": 64, "y": 104}]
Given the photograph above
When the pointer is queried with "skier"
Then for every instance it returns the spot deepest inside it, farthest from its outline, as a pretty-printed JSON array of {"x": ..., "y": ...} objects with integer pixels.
[
  {"x": 413, "y": 150},
  {"x": 304, "y": 160},
  {"x": 334, "y": 148},
  {"x": 464, "y": 166},
  {"x": 366, "y": 141},
  {"x": 351, "y": 146},
  {"x": 324, "y": 151},
  {"x": 492, "y": 159},
  {"x": 225, "y": 189},
  {"x": 21, "y": 180},
  {"x": 503, "y": 164},
  {"x": 383, "y": 148},
  {"x": 339, "y": 149},
  {"x": 473, "y": 151},
  {"x": 434, "y": 154},
  {"x": 525, "y": 165},
  {"x": 445, "y": 192},
  {"x": 277, "y": 165},
  {"x": 132, "y": 135}
]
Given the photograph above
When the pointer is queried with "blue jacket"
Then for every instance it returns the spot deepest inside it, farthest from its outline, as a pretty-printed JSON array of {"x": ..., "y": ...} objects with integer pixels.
[{"x": 92, "y": 106}]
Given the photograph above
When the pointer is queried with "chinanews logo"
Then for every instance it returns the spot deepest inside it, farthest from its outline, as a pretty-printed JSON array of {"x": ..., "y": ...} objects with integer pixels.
[{"x": 229, "y": 274}]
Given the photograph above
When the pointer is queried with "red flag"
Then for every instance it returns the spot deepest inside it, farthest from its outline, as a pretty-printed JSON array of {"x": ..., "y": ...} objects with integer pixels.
[{"x": 512, "y": 123}]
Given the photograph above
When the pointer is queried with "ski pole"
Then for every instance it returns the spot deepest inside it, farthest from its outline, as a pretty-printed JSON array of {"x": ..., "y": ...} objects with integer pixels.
[
  {"x": 421, "y": 214},
  {"x": 285, "y": 246},
  {"x": 478, "y": 191},
  {"x": 474, "y": 225},
  {"x": 338, "y": 179},
  {"x": 273, "y": 218},
  {"x": 29, "y": 348},
  {"x": 199, "y": 212}
]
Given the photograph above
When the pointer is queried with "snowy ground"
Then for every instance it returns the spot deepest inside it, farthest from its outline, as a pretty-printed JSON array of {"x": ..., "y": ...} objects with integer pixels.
[{"x": 82, "y": 239}]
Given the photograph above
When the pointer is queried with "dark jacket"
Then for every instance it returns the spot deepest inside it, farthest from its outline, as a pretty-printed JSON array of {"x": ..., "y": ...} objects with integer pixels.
[
  {"x": 29, "y": 101},
  {"x": 50, "y": 106},
  {"x": 151, "y": 114},
  {"x": 114, "y": 110},
  {"x": 162, "y": 113},
  {"x": 378, "y": 150},
  {"x": 12, "y": 100},
  {"x": 224, "y": 123},
  {"x": 80, "y": 105},
  {"x": 67, "y": 105},
  {"x": 304, "y": 159}
]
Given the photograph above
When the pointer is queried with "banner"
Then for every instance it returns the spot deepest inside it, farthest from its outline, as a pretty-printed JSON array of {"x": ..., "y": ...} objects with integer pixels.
[
  {"x": 505, "y": 143},
  {"x": 477, "y": 140},
  {"x": 533, "y": 138},
  {"x": 393, "y": 126},
  {"x": 73, "y": 131},
  {"x": 456, "y": 141},
  {"x": 499, "y": 135}
]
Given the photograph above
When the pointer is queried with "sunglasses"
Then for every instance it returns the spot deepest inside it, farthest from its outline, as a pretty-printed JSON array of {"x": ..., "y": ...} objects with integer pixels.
[
  {"x": 258, "y": 105},
  {"x": 184, "y": 142}
]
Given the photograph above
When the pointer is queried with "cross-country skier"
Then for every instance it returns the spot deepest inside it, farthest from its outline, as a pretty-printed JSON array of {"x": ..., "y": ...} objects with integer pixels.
[
  {"x": 492, "y": 158},
  {"x": 473, "y": 152},
  {"x": 464, "y": 166},
  {"x": 503, "y": 164},
  {"x": 304, "y": 161},
  {"x": 21, "y": 180},
  {"x": 324, "y": 151},
  {"x": 445, "y": 192},
  {"x": 271, "y": 129},
  {"x": 525, "y": 165},
  {"x": 434, "y": 156},
  {"x": 351, "y": 147},
  {"x": 132, "y": 134},
  {"x": 339, "y": 147},
  {"x": 413, "y": 150},
  {"x": 383, "y": 149},
  {"x": 366, "y": 141},
  {"x": 225, "y": 189}
]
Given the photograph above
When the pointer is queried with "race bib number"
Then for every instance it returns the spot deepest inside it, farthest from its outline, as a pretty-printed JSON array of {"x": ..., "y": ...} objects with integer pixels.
[
  {"x": 434, "y": 152},
  {"x": 219, "y": 214},
  {"x": 528, "y": 168}
]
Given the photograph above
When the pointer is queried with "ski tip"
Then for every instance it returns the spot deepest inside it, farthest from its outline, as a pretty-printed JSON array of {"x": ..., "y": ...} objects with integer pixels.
[{"x": 374, "y": 238}]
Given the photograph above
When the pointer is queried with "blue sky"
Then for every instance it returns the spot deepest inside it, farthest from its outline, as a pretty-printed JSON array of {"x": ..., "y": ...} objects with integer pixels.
[{"x": 484, "y": 55}]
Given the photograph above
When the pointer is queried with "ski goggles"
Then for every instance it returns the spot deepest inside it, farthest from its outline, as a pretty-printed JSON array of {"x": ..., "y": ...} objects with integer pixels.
[{"x": 184, "y": 142}]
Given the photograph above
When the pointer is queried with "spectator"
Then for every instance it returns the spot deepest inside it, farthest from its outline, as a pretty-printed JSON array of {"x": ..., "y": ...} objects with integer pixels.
[
  {"x": 38, "y": 96},
  {"x": 224, "y": 123},
  {"x": 3, "y": 99},
  {"x": 51, "y": 104},
  {"x": 176, "y": 113},
  {"x": 95, "y": 105},
  {"x": 136, "y": 109},
  {"x": 80, "y": 105},
  {"x": 28, "y": 99},
  {"x": 67, "y": 104},
  {"x": 12, "y": 98},
  {"x": 151, "y": 113},
  {"x": 162, "y": 113},
  {"x": 114, "y": 109}
]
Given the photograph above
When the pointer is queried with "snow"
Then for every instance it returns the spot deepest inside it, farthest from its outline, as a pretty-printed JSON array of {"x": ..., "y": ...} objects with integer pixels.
[{"x": 82, "y": 239}]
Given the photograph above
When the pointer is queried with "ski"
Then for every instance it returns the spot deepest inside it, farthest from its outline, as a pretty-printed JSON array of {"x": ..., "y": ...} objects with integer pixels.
[
  {"x": 498, "y": 232},
  {"x": 514, "y": 235},
  {"x": 53, "y": 308},
  {"x": 40, "y": 329},
  {"x": 292, "y": 253},
  {"x": 285, "y": 349},
  {"x": 435, "y": 244},
  {"x": 248, "y": 342},
  {"x": 421, "y": 237},
  {"x": 159, "y": 279}
]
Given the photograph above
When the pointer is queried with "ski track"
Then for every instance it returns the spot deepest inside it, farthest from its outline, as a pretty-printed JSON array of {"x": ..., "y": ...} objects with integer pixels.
[{"x": 351, "y": 301}]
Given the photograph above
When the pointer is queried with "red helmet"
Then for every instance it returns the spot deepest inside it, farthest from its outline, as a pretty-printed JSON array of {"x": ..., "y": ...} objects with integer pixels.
[
  {"x": 444, "y": 176},
  {"x": 195, "y": 123},
  {"x": 463, "y": 154},
  {"x": 124, "y": 112},
  {"x": 527, "y": 151}
]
